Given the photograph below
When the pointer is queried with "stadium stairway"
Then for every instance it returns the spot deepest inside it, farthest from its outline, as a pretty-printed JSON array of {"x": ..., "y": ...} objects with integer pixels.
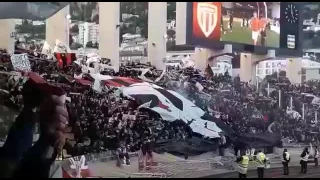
[
  {"x": 165, "y": 165},
  {"x": 175, "y": 167},
  {"x": 108, "y": 170}
]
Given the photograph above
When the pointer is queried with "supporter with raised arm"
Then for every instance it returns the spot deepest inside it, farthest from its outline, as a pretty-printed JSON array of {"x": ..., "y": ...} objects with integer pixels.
[{"x": 18, "y": 157}]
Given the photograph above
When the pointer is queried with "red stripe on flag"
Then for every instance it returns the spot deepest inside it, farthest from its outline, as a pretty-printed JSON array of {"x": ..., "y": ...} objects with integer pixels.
[
  {"x": 69, "y": 59},
  {"x": 265, "y": 118},
  {"x": 112, "y": 83},
  {"x": 65, "y": 174},
  {"x": 84, "y": 82},
  {"x": 130, "y": 80},
  {"x": 59, "y": 59}
]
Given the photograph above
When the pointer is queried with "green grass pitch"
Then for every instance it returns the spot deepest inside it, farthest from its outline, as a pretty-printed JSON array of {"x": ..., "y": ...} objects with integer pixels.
[{"x": 244, "y": 35}]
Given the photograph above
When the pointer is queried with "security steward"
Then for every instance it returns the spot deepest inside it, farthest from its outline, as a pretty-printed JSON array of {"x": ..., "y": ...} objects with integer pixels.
[
  {"x": 261, "y": 160},
  {"x": 285, "y": 161},
  {"x": 243, "y": 162},
  {"x": 304, "y": 160}
]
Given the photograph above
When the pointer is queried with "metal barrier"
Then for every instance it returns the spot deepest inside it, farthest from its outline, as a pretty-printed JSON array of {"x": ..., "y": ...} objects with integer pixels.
[
  {"x": 104, "y": 156},
  {"x": 180, "y": 168},
  {"x": 147, "y": 175}
]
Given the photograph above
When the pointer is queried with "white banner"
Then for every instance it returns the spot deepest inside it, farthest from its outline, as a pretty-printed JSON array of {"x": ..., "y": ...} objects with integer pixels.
[
  {"x": 61, "y": 48},
  {"x": 145, "y": 105},
  {"x": 161, "y": 76},
  {"x": 20, "y": 62},
  {"x": 46, "y": 49},
  {"x": 97, "y": 68},
  {"x": 143, "y": 72},
  {"x": 199, "y": 86},
  {"x": 97, "y": 85}
]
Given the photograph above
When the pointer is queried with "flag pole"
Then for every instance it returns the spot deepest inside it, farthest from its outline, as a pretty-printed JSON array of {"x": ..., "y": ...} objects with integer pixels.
[
  {"x": 303, "y": 112},
  {"x": 279, "y": 98},
  {"x": 257, "y": 84}
]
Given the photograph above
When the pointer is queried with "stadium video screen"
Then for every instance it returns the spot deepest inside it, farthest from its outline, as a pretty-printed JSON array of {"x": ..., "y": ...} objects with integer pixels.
[{"x": 253, "y": 23}]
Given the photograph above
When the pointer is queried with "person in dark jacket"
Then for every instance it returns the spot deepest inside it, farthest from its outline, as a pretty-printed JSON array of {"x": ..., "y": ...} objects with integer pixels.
[
  {"x": 222, "y": 25},
  {"x": 316, "y": 156},
  {"x": 231, "y": 22},
  {"x": 18, "y": 158},
  {"x": 123, "y": 154}
]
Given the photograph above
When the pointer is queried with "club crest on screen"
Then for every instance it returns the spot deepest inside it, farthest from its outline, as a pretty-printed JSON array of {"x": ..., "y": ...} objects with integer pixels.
[{"x": 207, "y": 17}]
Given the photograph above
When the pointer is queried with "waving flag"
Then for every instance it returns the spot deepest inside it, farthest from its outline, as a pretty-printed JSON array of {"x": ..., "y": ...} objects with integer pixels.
[
  {"x": 65, "y": 59},
  {"x": 171, "y": 107},
  {"x": 61, "y": 47},
  {"x": 47, "y": 50},
  {"x": 208, "y": 72}
]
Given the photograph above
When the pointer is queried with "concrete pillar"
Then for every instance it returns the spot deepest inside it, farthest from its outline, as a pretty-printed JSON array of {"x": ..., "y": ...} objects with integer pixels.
[
  {"x": 57, "y": 27},
  {"x": 293, "y": 70},
  {"x": 201, "y": 58},
  {"x": 181, "y": 23},
  {"x": 157, "y": 20},
  {"x": 7, "y": 35},
  {"x": 248, "y": 63},
  {"x": 246, "y": 67},
  {"x": 109, "y": 29}
]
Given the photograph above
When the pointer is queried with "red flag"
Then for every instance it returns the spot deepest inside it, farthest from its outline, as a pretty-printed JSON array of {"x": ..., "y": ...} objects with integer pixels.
[
  {"x": 44, "y": 86},
  {"x": 265, "y": 118},
  {"x": 65, "y": 174},
  {"x": 65, "y": 59}
]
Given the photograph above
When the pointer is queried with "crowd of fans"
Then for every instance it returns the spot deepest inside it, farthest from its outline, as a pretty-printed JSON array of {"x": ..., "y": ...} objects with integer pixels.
[
  {"x": 107, "y": 120},
  {"x": 99, "y": 121}
]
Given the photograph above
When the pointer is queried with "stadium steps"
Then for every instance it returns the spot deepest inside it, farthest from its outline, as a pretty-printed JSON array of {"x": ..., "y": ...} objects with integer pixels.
[
  {"x": 108, "y": 169},
  {"x": 165, "y": 157},
  {"x": 174, "y": 168}
]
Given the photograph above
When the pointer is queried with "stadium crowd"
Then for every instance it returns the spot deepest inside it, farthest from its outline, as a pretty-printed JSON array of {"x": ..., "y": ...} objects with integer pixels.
[{"x": 109, "y": 121}]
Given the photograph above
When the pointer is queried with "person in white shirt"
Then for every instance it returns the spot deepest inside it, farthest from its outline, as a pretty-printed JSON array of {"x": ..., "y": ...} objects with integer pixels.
[
  {"x": 304, "y": 160},
  {"x": 285, "y": 162}
]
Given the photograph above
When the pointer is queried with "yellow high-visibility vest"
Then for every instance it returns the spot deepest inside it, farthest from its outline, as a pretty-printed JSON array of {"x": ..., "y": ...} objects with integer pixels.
[
  {"x": 245, "y": 162},
  {"x": 261, "y": 157}
]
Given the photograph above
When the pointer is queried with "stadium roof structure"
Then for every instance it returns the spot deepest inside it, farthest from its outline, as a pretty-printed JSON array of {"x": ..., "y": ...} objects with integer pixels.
[
  {"x": 251, "y": 5},
  {"x": 36, "y": 11}
]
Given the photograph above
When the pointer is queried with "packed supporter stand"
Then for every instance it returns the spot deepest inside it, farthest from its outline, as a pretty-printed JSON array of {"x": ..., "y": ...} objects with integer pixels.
[{"x": 110, "y": 120}]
